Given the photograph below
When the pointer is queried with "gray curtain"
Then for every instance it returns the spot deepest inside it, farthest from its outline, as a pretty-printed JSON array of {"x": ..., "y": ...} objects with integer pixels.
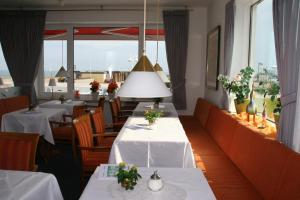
[
  {"x": 228, "y": 45},
  {"x": 176, "y": 24},
  {"x": 287, "y": 44},
  {"x": 21, "y": 37}
]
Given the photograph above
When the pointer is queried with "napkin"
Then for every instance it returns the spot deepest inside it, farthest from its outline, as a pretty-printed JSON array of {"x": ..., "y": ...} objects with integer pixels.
[{"x": 5, "y": 190}]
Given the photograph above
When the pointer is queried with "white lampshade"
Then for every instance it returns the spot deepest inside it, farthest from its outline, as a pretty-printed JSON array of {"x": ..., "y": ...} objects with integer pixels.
[
  {"x": 52, "y": 82},
  {"x": 161, "y": 73},
  {"x": 143, "y": 82},
  {"x": 1, "y": 81}
]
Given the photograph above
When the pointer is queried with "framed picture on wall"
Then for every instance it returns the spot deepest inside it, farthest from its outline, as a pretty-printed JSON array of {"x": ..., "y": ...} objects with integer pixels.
[{"x": 213, "y": 58}]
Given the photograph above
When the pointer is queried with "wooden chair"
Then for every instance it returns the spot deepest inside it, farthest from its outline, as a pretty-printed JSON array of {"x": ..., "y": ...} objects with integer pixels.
[
  {"x": 105, "y": 137},
  {"x": 18, "y": 151},
  {"x": 91, "y": 155},
  {"x": 116, "y": 116},
  {"x": 64, "y": 132},
  {"x": 124, "y": 110}
]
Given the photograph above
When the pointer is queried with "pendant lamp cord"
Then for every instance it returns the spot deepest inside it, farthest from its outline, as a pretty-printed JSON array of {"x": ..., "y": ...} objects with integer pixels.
[
  {"x": 144, "y": 29},
  {"x": 157, "y": 22},
  {"x": 62, "y": 53}
]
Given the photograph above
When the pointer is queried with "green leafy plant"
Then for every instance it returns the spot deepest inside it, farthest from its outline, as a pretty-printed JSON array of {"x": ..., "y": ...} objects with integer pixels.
[
  {"x": 152, "y": 115},
  {"x": 238, "y": 86},
  {"x": 127, "y": 176},
  {"x": 62, "y": 99},
  {"x": 277, "y": 109}
]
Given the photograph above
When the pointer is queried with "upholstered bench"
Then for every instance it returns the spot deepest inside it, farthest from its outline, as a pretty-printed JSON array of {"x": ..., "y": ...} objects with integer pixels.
[{"x": 239, "y": 162}]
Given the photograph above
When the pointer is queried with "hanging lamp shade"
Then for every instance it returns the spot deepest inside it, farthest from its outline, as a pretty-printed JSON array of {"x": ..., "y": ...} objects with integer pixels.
[
  {"x": 143, "y": 82},
  {"x": 161, "y": 73},
  {"x": 62, "y": 72}
]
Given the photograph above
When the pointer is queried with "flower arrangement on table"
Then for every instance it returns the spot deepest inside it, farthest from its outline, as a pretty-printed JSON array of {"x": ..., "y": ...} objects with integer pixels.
[
  {"x": 127, "y": 176},
  {"x": 62, "y": 99},
  {"x": 152, "y": 115},
  {"x": 112, "y": 86},
  {"x": 238, "y": 86},
  {"x": 95, "y": 85}
]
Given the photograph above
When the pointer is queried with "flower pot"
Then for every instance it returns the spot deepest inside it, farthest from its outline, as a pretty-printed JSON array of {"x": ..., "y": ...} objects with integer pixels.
[
  {"x": 111, "y": 95},
  {"x": 95, "y": 95},
  {"x": 241, "y": 107},
  {"x": 277, "y": 120},
  {"x": 270, "y": 106}
]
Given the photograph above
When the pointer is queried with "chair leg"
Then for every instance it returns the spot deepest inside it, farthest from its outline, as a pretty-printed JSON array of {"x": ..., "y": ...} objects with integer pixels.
[{"x": 74, "y": 147}]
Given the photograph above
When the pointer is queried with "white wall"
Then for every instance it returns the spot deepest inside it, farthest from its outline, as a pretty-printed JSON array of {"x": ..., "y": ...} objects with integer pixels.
[
  {"x": 216, "y": 16},
  {"x": 195, "y": 73},
  {"x": 196, "y": 61}
]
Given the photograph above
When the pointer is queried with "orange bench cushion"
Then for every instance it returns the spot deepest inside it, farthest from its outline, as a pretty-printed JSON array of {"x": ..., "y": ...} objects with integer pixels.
[{"x": 201, "y": 111}]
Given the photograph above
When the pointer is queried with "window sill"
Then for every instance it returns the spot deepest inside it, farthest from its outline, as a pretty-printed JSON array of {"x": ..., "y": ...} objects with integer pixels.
[{"x": 269, "y": 130}]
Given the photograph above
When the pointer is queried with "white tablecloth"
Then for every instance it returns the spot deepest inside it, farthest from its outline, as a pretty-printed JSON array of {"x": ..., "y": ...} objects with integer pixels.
[
  {"x": 163, "y": 145},
  {"x": 190, "y": 180},
  {"x": 32, "y": 122},
  {"x": 21, "y": 185},
  {"x": 168, "y": 109},
  {"x": 68, "y": 105}
]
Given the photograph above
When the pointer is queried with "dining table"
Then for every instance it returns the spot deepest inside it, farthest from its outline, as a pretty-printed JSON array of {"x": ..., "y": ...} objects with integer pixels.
[
  {"x": 178, "y": 184},
  {"x": 32, "y": 121},
  {"x": 68, "y": 105},
  {"x": 143, "y": 145},
  {"x": 24, "y": 185}
]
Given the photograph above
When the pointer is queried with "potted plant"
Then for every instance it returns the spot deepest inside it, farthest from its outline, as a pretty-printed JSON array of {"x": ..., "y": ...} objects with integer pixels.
[
  {"x": 238, "y": 86},
  {"x": 127, "y": 176},
  {"x": 62, "y": 99},
  {"x": 277, "y": 111},
  {"x": 95, "y": 85},
  {"x": 152, "y": 115},
  {"x": 111, "y": 89}
]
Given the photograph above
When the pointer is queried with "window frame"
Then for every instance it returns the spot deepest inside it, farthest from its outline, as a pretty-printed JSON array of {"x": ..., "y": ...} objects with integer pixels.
[{"x": 39, "y": 84}]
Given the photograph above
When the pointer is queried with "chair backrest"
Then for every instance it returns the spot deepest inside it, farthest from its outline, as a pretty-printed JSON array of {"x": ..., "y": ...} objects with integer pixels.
[
  {"x": 114, "y": 110},
  {"x": 118, "y": 102},
  {"x": 79, "y": 111},
  {"x": 101, "y": 102},
  {"x": 98, "y": 120},
  {"x": 84, "y": 131},
  {"x": 18, "y": 150},
  {"x": 16, "y": 103}
]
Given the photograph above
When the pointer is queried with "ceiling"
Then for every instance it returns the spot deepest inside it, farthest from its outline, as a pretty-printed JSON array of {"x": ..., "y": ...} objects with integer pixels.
[{"x": 92, "y": 3}]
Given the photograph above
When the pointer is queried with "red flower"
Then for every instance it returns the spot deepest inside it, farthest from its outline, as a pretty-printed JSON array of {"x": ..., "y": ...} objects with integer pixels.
[
  {"x": 94, "y": 86},
  {"x": 112, "y": 86}
]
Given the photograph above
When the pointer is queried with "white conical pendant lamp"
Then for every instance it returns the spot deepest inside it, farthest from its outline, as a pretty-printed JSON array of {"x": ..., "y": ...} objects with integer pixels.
[
  {"x": 157, "y": 68},
  {"x": 143, "y": 81}
]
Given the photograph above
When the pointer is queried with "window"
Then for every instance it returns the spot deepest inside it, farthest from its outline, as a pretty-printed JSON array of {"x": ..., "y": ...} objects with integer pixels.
[
  {"x": 4, "y": 73},
  {"x": 151, "y": 47},
  {"x": 55, "y": 60},
  {"x": 102, "y": 53},
  {"x": 262, "y": 53}
]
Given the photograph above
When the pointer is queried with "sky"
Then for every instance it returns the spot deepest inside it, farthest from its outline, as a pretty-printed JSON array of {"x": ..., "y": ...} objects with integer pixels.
[{"x": 264, "y": 44}]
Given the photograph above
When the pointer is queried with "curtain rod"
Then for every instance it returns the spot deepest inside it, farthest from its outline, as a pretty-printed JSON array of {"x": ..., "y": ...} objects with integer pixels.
[{"x": 101, "y": 8}]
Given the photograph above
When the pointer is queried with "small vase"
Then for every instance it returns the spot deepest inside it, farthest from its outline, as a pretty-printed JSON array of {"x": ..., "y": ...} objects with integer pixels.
[
  {"x": 241, "y": 107},
  {"x": 111, "y": 95},
  {"x": 95, "y": 95}
]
